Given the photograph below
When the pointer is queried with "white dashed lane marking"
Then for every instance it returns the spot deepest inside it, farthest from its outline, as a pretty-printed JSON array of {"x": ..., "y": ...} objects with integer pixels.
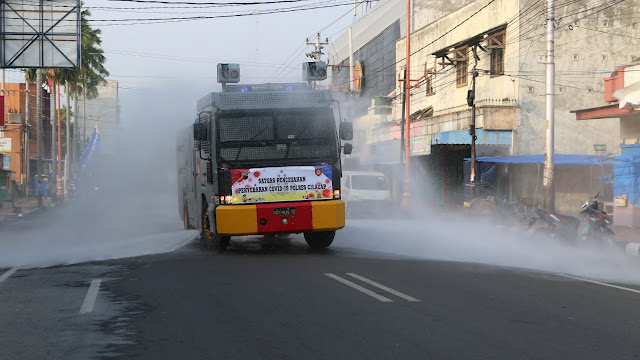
[
  {"x": 380, "y": 286},
  {"x": 600, "y": 283},
  {"x": 90, "y": 299},
  {"x": 372, "y": 283},
  {"x": 359, "y": 288},
  {"x": 8, "y": 273}
]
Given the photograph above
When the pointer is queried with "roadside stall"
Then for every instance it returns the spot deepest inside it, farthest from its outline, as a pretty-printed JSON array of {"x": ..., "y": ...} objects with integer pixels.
[{"x": 518, "y": 180}]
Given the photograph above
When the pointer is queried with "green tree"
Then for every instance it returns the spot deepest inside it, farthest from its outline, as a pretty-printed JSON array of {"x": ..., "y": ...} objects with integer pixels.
[
  {"x": 85, "y": 80},
  {"x": 63, "y": 127}
]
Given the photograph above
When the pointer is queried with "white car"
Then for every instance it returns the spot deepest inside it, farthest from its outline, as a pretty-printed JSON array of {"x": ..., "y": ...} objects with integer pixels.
[{"x": 365, "y": 192}]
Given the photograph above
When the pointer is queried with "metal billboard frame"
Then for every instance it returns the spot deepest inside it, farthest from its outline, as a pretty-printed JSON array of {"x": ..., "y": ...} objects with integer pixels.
[{"x": 40, "y": 34}]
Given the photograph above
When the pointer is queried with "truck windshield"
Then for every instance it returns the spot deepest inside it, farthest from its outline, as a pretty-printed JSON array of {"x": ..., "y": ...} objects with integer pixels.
[
  {"x": 368, "y": 182},
  {"x": 270, "y": 135}
]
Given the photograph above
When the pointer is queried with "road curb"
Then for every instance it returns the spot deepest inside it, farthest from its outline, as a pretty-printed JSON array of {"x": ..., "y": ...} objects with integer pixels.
[
  {"x": 31, "y": 211},
  {"x": 22, "y": 214},
  {"x": 632, "y": 249}
]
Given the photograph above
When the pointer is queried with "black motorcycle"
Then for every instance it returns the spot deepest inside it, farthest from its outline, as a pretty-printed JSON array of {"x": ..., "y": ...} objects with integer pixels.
[{"x": 595, "y": 229}]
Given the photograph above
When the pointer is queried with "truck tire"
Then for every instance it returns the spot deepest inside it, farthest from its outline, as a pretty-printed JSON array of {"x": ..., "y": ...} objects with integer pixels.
[
  {"x": 206, "y": 235},
  {"x": 187, "y": 226},
  {"x": 319, "y": 240},
  {"x": 209, "y": 239}
]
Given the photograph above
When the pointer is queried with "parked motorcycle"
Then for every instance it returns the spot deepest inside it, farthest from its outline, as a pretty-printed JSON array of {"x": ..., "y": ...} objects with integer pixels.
[{"x": 595, "y": 229}]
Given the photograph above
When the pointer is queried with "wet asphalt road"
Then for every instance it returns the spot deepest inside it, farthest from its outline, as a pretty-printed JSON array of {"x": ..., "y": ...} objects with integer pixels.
[{"x": 288, "y": 302}]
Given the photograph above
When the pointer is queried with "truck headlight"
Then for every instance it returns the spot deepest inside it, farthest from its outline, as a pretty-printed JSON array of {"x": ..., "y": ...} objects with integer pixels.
[
  {"x": 336, "y": 194},
  {"x": 225, "y": 200}
]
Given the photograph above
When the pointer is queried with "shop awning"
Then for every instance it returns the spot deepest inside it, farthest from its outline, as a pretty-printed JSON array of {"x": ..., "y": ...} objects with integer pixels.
[
  {"x": 485, "y": 137},
  {"x": 560, "y": 159}
]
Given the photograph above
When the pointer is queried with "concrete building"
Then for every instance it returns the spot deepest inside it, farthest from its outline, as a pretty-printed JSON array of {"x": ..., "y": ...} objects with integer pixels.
[
  {"x": 18, "y": 129},
  {"x": 504, "y": 40},
  {"x": 622, "y": 98},
  {"x": 373, "y": 41},
  {"x": 103, "y": 111}
]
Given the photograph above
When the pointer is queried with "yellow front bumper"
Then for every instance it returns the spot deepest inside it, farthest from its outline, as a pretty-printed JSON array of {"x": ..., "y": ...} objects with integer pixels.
[
  {"x": 235, "y": 220},
  {"x": 327, "y": 215}
]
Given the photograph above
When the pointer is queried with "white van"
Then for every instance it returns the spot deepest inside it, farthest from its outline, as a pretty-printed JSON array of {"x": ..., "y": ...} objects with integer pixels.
[{"x": 365, "y": 192}]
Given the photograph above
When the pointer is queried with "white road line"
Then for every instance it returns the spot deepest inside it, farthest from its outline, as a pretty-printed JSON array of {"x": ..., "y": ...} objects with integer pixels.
[
  {"x": 90, "y": 299},
  {"x": 359, "y": 288},
  {"x": 6, "y": 275},
  {"x": 600, "y": 283},
  {"x": 380, "y": 286}
]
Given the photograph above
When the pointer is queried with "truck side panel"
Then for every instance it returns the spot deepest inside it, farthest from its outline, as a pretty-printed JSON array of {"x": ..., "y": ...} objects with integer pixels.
[{"x": 186, "y": 177}]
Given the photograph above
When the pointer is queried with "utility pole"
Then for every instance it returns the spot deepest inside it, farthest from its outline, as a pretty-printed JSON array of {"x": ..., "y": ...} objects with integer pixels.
[
  {"x": 407, "y": 90},
  {"x": 547, "y": 182},
  {"x": 404, "y": 103},
  {"x": 317, "y": 53},
  {"x": 39, "y": 144},
  {"x": 351, "y": 84},
  {"x": 54, "y": 142},
  {"x": 76, "y": 133},
  {"x": 471, "y": 97},
  {"x": 59, "y": 192},
  {"x": 67, "y": 156},
  {"x": 84, "y": 118},
  {"x": 27, "y": 137}
]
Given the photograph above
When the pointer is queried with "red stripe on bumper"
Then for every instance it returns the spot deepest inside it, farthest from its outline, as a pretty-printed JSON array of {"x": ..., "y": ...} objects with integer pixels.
[{"x": 268, "y": 223}]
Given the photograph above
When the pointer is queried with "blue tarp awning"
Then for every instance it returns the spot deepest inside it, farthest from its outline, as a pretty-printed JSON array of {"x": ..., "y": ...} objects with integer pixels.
[
  {"x": 485, "y": 137},
  {"x": 560, "y": 159},
  {"x": 626, "y": 178}
]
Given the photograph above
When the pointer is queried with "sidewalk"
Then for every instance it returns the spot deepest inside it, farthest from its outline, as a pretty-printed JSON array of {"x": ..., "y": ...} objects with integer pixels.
[
  {"x": 22, "y": 206},
  {"x": 623, "y": 233},
  {"x": 627, "y": 234}
]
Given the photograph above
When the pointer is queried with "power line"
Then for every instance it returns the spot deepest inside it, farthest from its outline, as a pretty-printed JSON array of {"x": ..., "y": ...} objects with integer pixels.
[
  {"x": 248, "y": 3},
  {"x": 196, "y": 18}
]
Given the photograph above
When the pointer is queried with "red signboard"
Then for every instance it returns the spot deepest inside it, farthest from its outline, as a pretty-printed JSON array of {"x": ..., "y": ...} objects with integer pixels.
[{"x": 2, "y": 110}]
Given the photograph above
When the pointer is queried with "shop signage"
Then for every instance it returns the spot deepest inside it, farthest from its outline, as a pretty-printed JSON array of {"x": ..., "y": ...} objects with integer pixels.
[
  {"x": 420, "y": 145},
  {"x": 5, "y": 145},
  {"x": 358, "y": 76},
  {"x": 600, "y": 147},
  {"x": 6, "y": 162}
]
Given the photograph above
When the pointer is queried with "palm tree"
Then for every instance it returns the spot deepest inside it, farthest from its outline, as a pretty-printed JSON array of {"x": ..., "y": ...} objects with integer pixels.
[
  {"x": 86, "y": 80},
  {"x": 91, "y": 74}
]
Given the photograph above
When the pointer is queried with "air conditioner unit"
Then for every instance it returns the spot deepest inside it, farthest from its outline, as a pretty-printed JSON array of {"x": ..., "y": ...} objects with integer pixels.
[
  {"x": 228, "y": 73},
  {"x": 314, "y": 71}
]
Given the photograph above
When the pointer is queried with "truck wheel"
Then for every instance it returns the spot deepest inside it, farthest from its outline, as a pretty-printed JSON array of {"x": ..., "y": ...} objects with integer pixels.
[
  {"x": 319, "y": 240},
  {"x": 210, "y": 240},
  {"x": 187, "y": 226},
  {"x": 206, "y": 235}
]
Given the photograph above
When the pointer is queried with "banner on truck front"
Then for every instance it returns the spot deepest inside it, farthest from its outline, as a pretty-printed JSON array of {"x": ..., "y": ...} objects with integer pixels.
[{"x": 288, "y": 183}]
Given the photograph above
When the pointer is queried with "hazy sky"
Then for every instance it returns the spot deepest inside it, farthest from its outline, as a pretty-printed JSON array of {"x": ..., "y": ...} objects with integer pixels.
[{"x": 172, "y": 64}]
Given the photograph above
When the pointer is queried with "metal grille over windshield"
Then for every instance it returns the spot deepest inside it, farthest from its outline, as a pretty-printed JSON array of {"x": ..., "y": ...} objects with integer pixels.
[
  {"x": 275, "y": 135},
  {"x": 246, "y": 128}
]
